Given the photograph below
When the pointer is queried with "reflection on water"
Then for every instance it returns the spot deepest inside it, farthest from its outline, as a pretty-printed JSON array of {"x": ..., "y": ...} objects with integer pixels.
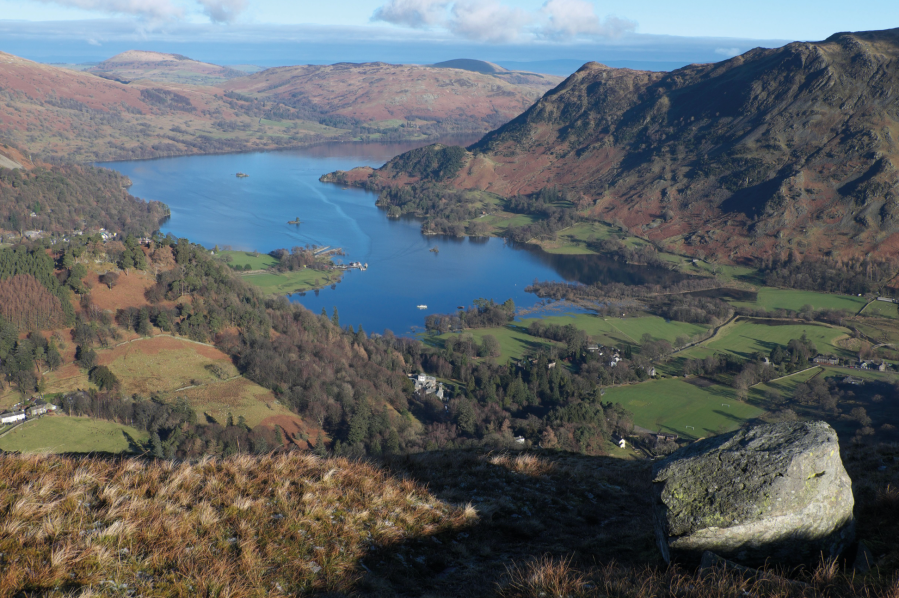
[
  {"x": 212, "y": 207},
  {"x": 592, "y": 269}
]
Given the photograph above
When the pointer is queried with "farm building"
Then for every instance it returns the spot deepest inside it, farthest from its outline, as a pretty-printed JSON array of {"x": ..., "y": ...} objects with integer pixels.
[
  {"x": 11, "y": 417},
  {"x": 827, "y": 359},
  {"x": 40, "y": 407}
]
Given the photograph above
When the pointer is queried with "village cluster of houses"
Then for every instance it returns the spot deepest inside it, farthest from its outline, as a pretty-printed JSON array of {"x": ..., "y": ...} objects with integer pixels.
[
  {"x": 37, "y": 408},
  {"x": 613, "y": 357},
  {"x": 865, "y": 364},
  {"x": 106, "y": 235}
]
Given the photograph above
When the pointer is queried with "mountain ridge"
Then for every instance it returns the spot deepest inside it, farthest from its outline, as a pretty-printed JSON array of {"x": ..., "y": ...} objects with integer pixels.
[
  {"x": 159, "y": 66},
  {"x": 774, "y": 152}
]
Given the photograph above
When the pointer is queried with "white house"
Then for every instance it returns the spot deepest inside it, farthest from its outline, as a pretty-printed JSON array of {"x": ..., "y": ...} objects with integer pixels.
[
  {"x": 40, "y": 407},
  {"x": 12, "y": 417},
  {"x": 622, "y": 443}
]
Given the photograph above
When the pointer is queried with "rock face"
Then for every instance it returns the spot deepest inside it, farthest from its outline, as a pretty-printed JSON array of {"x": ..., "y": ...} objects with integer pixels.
[{"x": 775, "y": 493}]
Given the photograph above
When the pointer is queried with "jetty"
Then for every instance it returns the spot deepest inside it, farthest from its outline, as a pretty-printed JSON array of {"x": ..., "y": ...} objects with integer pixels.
[
  {"x": 354, "y": 266},
  {"x": 242, "y": 175}
]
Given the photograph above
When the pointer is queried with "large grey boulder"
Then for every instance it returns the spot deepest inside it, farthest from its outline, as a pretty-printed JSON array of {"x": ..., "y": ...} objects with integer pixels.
[{"x": 774, "y": 493}]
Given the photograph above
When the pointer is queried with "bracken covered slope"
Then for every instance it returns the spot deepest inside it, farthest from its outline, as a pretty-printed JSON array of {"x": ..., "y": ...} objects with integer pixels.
[
  {"x": 61, "y": 113},
  {"x": 463, "y": 99},
  {"x": 776, "y": 151}
]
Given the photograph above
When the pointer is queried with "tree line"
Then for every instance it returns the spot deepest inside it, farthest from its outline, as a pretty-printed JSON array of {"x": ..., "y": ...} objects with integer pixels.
[{"x": 63, "y": 197}]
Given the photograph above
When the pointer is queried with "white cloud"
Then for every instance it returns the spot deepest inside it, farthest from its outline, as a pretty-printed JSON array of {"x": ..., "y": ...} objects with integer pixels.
[
  {"x": 729, "y": 52},
  {"x": 488, "y": 20},
  {"x": 413, "y": 13},
  {"x": 162, "y": 10},
  {"x": 569, "y": 19},
  {"x": 218, "y": 11},
  {"x": 494, "y": 22},
  {"x": 92, "y": 42},
  {"x": 223, "y": 11}
]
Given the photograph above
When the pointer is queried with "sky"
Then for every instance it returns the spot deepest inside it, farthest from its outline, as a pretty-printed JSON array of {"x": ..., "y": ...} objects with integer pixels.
[{"x": 704, "y": 30}]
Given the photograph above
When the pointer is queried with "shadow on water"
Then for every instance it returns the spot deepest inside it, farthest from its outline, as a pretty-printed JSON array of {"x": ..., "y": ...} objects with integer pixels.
[{"x": 602, "y": 269}]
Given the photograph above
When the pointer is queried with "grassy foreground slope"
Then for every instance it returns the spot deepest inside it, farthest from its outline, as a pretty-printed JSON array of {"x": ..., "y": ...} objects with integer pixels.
[{"x": 538, "y": 524}]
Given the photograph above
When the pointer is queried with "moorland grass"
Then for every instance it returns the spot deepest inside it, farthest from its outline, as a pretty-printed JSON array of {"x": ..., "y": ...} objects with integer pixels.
[
  {"x": 245, "y": 526},
  {"x": 544, "y": 524}
]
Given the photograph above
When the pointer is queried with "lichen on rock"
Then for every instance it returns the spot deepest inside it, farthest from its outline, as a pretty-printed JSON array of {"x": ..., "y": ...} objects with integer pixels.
[{"x": 774, "y": 493}]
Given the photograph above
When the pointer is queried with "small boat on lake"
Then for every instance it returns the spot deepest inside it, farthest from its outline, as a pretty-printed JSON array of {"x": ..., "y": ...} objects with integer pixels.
[
  {"x": 422, "y": 306},
  {"x": 297, "y": 221},
  {"x": 242, "y": 175}
]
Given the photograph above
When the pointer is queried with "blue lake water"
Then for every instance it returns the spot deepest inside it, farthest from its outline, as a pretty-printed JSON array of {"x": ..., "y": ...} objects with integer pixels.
[{"x": 211, "y": 206}]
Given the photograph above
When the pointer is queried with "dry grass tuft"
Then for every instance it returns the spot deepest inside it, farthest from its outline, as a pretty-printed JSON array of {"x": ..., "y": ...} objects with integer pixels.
[
  {"x": 525, "y": 464},
  {"x": 547, "y": 577},
  {"x": 246, "y": 526}
]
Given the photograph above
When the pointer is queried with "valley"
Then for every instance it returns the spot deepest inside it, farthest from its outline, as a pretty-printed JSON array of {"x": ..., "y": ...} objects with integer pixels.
[{"x": 438, "y": 343}]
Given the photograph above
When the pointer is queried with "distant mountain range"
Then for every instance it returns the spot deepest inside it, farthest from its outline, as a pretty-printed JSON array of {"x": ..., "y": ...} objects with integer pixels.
[
  {"x": 776, "y": 151},
  {"x": 147, "y": 104}
]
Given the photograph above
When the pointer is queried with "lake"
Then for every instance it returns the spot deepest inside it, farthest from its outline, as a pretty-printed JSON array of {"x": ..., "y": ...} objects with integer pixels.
[{"x": 211, "y": 206}]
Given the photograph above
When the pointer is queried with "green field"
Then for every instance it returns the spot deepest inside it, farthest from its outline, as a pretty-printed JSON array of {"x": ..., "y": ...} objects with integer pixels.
[
  {"x": 882, "y": 309},
  {"x": 744, "y": 338},
  {"x": 796, "y": 300},
  {"x": 293, "y": 282},
  {"x": 61, "y": 434},
  {"x": 280, "y": 283},
  {"x": 784, "y": 386},
  {"x": 673, "y": 404},
  {"x": 513, "y": 342},
  {"x": 260, "y": 261},
  {"x": 618, "y": 331}
]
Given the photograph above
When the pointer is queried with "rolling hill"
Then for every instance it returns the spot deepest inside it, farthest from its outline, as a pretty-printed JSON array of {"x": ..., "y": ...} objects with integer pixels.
[
  {"x": 775, "y": 152},
  {"x": 59, "y": 113},
  {"x": 63, "y": 113},
  {"x": 157, "y": 66},
  {"x": 407, "y": 96}
]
